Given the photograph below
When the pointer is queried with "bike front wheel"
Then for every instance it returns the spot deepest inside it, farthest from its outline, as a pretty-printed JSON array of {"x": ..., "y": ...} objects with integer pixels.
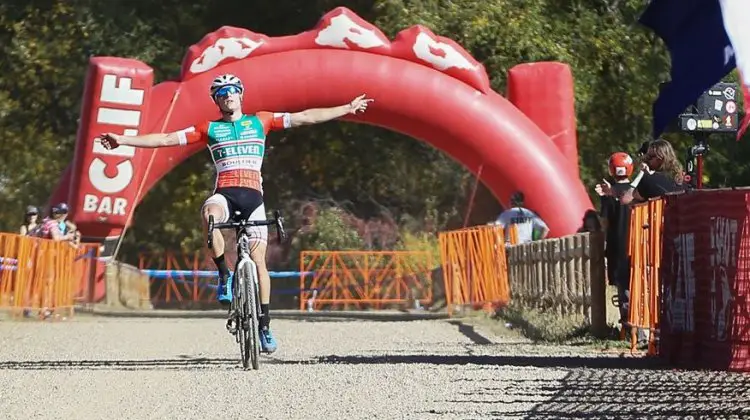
[{"x": 250, "y": 322}]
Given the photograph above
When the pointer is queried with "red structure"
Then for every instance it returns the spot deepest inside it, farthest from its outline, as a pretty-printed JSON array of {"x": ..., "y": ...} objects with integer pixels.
[
  {"x": 544, "y": 92},
  {"x": 424, "y": 86},
  {"x": 705, "y": 313}
]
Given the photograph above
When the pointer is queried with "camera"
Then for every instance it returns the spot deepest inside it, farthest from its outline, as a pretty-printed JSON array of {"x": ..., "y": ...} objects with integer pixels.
[{"x": 715, "y": 111}]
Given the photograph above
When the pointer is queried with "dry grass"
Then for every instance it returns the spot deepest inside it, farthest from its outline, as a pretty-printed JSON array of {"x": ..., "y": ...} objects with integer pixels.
[
  {"x": 543, "y": 326},
  {"x": 551, "y": 328}
]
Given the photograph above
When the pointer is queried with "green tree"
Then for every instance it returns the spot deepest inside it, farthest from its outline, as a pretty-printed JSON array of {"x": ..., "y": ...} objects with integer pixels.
[{"x": 370, "y": 172}]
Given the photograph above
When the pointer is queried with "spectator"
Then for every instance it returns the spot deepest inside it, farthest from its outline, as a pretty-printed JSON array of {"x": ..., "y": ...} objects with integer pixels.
[
  {"x": 660, "y": 173},
  {"x": 30, "y": 225},
  {"x": 525, "y": 220},
  {"x": 616, "y": 219},
  {"x": 50, "y": 228},
  {"x": 590, "y": 222},
  {"x": 643, "y": 149},
  {"x": 68, "y": 226}
]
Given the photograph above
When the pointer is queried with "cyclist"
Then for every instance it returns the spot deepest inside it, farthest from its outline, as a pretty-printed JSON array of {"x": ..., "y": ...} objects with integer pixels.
[{"x": 237, "y": 145}]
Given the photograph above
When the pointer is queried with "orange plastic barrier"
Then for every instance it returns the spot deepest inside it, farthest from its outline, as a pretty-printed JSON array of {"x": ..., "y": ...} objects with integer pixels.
[
  {"x": 361, "y": 279},
  {"x": 87, "y": 272},
  {"x": 645, "y": 247},
  {"x": 37, "y": 274},
  {"x": 475, "y": 268}
]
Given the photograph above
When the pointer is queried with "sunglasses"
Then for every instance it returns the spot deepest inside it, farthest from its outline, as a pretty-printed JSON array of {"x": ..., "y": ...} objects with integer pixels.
[{"x": 226, "y": 91}]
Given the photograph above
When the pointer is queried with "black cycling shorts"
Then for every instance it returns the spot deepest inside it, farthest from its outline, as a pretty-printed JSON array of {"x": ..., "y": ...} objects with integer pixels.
[{"x": 242, "y": 200}]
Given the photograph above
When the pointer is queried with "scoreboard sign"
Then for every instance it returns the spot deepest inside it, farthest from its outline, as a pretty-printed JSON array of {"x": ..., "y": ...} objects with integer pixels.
[{"x": 716, "y": 111}]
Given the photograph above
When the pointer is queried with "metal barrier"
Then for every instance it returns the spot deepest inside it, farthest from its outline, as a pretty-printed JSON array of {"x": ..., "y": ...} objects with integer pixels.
[
  {"x": 37, "y": 275},
  {"x": 361, "y": 279},
  {"x": 645, "y": 250},
  {"x": 475, "y": 269}
]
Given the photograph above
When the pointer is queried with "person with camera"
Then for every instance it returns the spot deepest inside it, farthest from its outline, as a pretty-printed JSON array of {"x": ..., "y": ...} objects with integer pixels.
[{"x": 660, "y": 173}]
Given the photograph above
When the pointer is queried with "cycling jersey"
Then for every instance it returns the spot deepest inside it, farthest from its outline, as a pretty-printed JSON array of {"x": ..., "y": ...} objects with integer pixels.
[{"x": 237, "y": 147}]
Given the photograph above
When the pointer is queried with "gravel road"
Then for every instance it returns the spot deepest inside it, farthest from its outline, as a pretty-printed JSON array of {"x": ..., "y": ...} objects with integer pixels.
[{"x": 138, "y": 368}]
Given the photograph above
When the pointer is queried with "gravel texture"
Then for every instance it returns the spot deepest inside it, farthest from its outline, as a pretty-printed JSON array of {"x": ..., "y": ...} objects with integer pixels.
[{"x": 138, "y": 368}]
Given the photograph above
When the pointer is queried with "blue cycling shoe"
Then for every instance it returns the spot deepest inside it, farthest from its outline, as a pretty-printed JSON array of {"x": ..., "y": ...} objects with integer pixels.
[
  {"x": 267, "y": 342},
  {"x": 224, "y": 290}
]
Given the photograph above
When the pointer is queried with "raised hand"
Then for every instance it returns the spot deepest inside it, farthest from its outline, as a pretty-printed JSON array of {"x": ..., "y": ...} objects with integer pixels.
[
  {"x": 359, "y": 104},
  {"x": 605, "y": 188},
  {"x": 109, "y": 141}
]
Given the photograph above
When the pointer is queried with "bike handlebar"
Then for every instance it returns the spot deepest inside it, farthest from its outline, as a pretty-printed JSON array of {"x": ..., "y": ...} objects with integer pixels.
[{"x": 277, "y": 221}]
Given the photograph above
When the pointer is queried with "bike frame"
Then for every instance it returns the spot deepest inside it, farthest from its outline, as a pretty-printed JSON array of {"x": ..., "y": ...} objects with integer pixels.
[
  {"x": 245, "y": 307},
  {"x": 243, "y": 256}
]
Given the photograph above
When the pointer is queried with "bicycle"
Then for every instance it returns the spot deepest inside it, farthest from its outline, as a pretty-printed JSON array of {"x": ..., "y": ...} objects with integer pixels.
[{"x": 244, "y": 312}]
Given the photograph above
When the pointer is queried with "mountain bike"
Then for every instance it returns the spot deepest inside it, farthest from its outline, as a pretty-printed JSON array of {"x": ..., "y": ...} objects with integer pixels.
[{"x": 244, "y": 312}]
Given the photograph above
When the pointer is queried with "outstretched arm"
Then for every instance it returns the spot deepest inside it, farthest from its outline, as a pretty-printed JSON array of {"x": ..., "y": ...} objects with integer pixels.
[
  {"x": 112, "y": 140},
  {"x": 151, "y": 140},
  {"x": 320, "y": 115},
  {"x": 182, "y": 137}
]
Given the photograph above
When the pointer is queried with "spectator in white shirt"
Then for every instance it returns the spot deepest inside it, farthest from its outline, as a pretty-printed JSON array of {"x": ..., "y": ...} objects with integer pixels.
[{"x": 525, "y": 220}]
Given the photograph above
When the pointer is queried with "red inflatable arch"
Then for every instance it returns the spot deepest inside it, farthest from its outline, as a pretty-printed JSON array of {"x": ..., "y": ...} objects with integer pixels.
[{"x": 424, "y": 86}]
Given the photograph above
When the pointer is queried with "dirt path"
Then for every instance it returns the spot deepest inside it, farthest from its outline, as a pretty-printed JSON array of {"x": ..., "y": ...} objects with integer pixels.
[{"x": 127, "y": 368}]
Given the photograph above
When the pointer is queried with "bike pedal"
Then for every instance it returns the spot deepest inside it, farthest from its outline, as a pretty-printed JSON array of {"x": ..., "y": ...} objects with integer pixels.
[{"x": 230, "y": 327}]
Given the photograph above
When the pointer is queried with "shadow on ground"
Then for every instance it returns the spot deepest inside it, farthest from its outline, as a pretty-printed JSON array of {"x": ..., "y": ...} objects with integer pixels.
[
  {"x": 208, "y": 363},
  {"x": 594, "y": 387},
  {"x": 187, "y": 362},
  {"x": 644, "y": 394},
  {"x": 566, "y": 362},
  {"x": 179, "y": 363}
]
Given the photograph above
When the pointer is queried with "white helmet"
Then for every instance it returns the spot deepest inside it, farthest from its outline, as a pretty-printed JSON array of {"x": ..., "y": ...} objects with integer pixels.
[{"x": 226, "y": 80}]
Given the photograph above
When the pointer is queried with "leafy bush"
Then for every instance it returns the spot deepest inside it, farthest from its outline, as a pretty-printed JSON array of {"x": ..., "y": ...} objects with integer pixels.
[
  {"x": 319, "y": 226},
  {"x": 330, "y": 231}
]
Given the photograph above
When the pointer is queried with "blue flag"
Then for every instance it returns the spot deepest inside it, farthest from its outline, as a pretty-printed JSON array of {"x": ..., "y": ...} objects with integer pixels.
[{"x": 693, "y": 31}]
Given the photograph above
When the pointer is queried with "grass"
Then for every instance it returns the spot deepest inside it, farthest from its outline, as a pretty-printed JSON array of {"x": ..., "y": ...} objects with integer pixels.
[
  {"x": 541, "y": 326},
  {"x": 552, "y": 328}
]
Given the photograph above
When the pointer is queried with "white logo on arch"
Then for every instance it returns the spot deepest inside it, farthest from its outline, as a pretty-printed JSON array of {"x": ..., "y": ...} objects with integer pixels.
[
  {"x": 222, "y": 49},
  {"x": 452, "y": 59},
  {"x": 106, "y": 184},
  {"x": 342, "y": 28}
]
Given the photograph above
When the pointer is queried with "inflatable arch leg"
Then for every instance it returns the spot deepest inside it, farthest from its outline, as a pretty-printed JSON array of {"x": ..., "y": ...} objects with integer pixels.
[{"x": 424, "y": 86}]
